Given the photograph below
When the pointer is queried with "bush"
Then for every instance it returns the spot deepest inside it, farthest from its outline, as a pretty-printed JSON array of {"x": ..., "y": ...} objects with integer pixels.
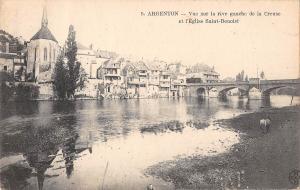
[
  {"x": 6, "y": 92},
  {"x": 26, "y": 92},
  {"x": 6, "y": 86}
]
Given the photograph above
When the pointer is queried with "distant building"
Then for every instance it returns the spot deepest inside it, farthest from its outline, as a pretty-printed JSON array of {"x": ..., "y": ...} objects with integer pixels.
[
  {"x": 87, "y": 58},
  {"x": 136, "y": 75},
  {"x": 154, "y": 77},
  {"x": 201, "y": 73},
  {"x": 228, "y": 79},
  {"x": 110, "y": 74},
  {"x": 92, "y": 63},
  {"x": 164, "y": 84},
  {"x": 12, "y": 56},
  {"x": 142, "y": 73},
  {"x": 177, "y": 68},
  {"x": 178, "y": 86}
]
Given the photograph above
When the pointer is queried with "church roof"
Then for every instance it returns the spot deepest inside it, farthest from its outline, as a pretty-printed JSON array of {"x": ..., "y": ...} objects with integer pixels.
[{"x": 44, "y": 33}]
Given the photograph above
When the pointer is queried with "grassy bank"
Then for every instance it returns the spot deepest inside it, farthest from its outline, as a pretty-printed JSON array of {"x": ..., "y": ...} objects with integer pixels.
[{"x": 260, "y": 160}]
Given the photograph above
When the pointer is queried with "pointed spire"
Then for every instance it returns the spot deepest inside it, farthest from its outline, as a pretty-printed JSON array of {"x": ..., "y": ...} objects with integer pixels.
[{"x": 44, "y": 19}]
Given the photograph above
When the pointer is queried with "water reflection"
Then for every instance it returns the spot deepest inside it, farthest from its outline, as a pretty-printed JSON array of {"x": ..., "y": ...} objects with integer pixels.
[{"x": 55, "y": 145}]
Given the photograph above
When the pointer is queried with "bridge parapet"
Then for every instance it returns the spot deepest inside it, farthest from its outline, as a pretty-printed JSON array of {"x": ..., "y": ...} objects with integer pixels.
[
  {"x": 282, "y": 81},
  {"x": 218, "y": 84}
]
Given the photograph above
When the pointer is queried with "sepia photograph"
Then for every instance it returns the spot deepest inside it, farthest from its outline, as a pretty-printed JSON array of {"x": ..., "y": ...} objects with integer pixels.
[{"x": 149, "y": 95}]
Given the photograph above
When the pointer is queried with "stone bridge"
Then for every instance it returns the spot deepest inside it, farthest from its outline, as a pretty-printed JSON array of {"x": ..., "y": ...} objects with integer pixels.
[{"x": 265, "y": 86}]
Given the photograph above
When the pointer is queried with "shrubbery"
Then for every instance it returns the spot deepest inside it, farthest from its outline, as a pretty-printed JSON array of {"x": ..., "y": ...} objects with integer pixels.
[
  {"x": 6, "y": 86},
  {"x": 26, "y": 92}
]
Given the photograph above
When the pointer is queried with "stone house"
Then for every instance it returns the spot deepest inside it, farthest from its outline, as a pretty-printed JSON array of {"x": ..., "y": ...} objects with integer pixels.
[{"x": 164, "y": 84}]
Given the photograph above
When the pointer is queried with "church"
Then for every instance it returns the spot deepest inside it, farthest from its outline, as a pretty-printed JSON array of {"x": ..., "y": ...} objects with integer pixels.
[{"x": 42, "y": 52}]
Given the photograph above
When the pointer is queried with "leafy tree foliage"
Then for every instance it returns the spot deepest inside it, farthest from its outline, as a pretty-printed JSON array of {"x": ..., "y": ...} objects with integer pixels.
[
  {"x": 69, "y": 75},
  {"x": 61, "y": 78},
  {"x": 74, "y": 66}
]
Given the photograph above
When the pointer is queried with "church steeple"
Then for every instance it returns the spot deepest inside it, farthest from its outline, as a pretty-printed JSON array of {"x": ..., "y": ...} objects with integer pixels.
[
  {"x": 44, "y": 32},
  {"x": 44, "y": 19}
]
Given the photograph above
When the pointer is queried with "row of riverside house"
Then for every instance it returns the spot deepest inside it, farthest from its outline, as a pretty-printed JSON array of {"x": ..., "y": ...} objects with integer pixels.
[
  {"x": 108, "y": 75},
  {"x": 112, "y": 76}
]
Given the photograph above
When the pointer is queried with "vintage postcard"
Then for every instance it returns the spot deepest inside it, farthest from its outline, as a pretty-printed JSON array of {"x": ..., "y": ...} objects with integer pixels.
[{"x": 154, "y": 95}]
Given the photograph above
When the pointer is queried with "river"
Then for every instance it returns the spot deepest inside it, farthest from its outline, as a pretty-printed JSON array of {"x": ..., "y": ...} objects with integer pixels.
[{"x": 108, "y": 144}]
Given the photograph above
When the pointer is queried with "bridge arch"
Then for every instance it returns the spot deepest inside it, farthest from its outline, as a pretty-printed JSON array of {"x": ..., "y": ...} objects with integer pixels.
[
  {"x": 201, "y": 92},
  {"x": 266, "y": 92},
  {"x": 223, "y": 91}
]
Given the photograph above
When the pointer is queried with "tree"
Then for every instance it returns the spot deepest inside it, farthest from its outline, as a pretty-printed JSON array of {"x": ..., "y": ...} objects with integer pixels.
[
  {"x": 68, "y": 75},
  {"x": 6, "y": 86},
  {"x": 61, "y": 77},
  {"x": 262, "y": 75},
  {"x": 76, "y": 76}
]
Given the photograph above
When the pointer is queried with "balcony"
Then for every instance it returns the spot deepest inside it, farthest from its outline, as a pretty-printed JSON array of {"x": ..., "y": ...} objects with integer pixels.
[
  {"x": 154, "y": 82},
  {"x": 164, "y": 84},
  {"x": 111, "y": 75},
  {"x": 133, "y": 81},
  {"x": 142, "y": 73},
  {"x": 164, "y": 80}
]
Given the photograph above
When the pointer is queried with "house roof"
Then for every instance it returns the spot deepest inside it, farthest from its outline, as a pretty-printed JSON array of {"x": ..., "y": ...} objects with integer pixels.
[
  {"x": 153, "y": 67},
  {"x": 106, "y": 54},
  {"x": 194, "y": 75},
  {"x": 112, "y": 63},
  {"x": 141, "y": 66},
  {"x": 44, "y": 33}
]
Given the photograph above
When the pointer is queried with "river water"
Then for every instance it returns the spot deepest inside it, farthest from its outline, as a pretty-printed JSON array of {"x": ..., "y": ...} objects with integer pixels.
[{"x": 108, "y": 144}]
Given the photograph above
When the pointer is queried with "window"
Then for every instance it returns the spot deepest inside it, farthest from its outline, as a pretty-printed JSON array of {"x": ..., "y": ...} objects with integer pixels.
[
  {"x": 35, "y": 53},
  {"x": 54, "y": 54},
  {"x": 50, "y": 54},
  {"x": 45, "y": 54},
  {"x": 5, "y": 68}
]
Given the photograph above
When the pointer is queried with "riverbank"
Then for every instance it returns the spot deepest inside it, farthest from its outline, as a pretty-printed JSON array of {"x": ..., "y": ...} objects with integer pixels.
[{"x": 260, "y": 160}]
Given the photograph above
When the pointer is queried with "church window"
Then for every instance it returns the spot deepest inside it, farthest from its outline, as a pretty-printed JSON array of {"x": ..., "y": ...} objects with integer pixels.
[
  {"x": 45, "y": 54},
  {"x": 35, "y": 51},
  {"x": 50, "y": 54}
]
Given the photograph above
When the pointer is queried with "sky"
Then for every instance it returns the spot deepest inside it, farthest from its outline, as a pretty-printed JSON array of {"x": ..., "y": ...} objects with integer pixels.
[{"x": 263, "y": 43}]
